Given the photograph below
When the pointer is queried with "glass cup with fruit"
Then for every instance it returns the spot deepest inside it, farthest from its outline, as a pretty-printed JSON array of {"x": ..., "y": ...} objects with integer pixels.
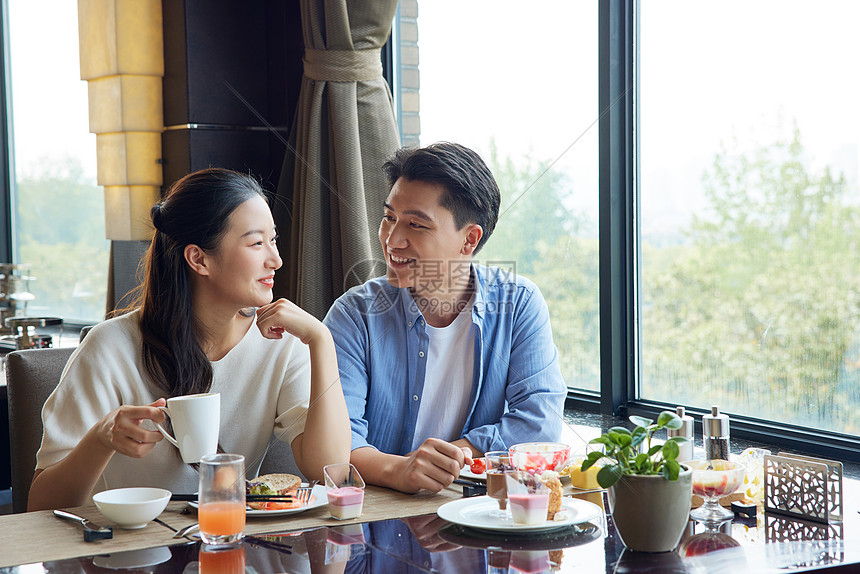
[
  {"x": 498, "y": 465},
  {"x": 540, "y": 456},
  {"x": 753, "y": 460},
  {"x": 713, "y": 479}
]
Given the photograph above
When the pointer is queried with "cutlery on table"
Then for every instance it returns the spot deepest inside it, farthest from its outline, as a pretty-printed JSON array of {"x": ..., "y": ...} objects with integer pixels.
[
  {"x": 304, "y": 493},
  {"x": 464, "y": 482},
  {"x": 190, "y": 529},
  {"x": 248, "y": 497},
  {"x": 163, "y": 523},
  {"x": 273, "y": 544},
  {"x": 471, "y": 488},
  {"x": 91, "y": 531}
]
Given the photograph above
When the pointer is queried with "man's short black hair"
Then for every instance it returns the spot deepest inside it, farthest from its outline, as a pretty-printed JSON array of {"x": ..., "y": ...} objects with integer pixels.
[{"x": 471, "y": 193}]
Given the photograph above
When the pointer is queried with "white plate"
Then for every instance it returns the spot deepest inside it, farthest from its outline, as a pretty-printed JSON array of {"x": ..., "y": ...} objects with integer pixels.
[
  {"x": 474, "y": 512},
  {"x": 319, "y": 499},
  {"x": 468, "y": 474}
]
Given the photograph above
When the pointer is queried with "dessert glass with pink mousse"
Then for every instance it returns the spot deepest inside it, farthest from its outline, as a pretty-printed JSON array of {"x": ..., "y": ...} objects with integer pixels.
[
  {"x": 528, "y": 498},
  {"x": 345, "y": 490}
]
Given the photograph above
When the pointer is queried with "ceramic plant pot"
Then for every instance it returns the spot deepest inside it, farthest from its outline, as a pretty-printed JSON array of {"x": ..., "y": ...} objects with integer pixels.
[{"x": 650, "y": 512}]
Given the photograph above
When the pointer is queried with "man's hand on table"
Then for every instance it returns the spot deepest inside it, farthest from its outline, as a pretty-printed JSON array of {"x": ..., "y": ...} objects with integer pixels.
[{"x": 432, "y": 466}]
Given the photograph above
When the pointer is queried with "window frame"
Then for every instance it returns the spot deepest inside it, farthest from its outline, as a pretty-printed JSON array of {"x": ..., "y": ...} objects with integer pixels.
[{"x": 7, "y": 158}]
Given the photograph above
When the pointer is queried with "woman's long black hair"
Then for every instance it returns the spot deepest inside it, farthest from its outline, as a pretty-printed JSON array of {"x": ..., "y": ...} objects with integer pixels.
[{"x": 196, "y": 210}]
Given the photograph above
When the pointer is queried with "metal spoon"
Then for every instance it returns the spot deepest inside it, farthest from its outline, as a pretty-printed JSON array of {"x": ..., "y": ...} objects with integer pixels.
[
  {"x": 190, "y": 529},
  {"x": 91, "y": 531}
]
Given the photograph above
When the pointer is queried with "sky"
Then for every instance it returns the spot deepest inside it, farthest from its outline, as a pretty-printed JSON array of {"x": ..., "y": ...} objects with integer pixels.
[
  {"x": 527, "y": 79},
  {"x": 710, "y": 74},
  {"x": 749, "y": 72},
  {"x": 49, "y": 99}
]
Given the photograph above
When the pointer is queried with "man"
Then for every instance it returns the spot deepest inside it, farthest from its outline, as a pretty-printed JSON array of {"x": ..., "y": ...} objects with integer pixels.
[{"x": 442, "y": 359}]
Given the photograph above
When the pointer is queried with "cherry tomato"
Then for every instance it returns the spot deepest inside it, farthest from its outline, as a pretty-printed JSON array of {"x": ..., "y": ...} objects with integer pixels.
[{"x": 478, "y": 466}]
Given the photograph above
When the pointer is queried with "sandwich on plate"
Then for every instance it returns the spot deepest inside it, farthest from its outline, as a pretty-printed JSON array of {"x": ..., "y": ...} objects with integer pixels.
[{"x": 276, "y": 484}]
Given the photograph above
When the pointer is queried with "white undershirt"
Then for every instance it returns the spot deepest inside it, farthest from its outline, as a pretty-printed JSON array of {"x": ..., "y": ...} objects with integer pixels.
[{"x": 447, "y": 380}]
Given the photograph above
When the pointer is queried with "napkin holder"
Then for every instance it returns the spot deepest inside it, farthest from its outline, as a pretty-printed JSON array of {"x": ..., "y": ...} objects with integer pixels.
[
  {"x": 813, "y": 544},
  {"x": 803, "y": 487},
  {"x": 778, "y": 528}
]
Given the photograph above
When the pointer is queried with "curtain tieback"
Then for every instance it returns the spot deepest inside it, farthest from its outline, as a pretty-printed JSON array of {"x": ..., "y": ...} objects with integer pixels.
[{"x": 343, "y": 65}]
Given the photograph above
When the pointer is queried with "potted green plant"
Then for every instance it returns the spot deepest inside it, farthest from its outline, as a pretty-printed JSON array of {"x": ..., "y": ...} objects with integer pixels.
[{"x": 649, "y": 490}]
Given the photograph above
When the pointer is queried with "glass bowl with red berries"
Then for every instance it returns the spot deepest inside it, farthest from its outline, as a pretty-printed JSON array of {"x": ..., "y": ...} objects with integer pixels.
[
  {"x": 540, "y": 456},
  {"x": 713, "y": 479}
]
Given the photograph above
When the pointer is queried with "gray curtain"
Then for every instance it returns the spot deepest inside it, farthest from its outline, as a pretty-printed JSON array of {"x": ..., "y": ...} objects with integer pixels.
[{"x": 332, "y": 188}]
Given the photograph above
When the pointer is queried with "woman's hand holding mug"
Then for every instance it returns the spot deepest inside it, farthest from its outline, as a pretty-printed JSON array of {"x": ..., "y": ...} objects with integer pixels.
[{"x": 196, "y": 421}]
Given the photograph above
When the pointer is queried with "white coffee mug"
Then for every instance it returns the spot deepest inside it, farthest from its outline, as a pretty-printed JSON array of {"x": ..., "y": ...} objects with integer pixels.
[{"x": 196, "y": 421}]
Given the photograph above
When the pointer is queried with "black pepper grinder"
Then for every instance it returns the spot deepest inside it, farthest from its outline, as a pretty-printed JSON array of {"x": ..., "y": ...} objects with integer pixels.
[{"x": 715, "y": 434}]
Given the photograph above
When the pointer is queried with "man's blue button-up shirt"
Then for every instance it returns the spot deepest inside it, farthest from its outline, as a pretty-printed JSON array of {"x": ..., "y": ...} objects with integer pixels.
[{"x": 517, "y": 389}]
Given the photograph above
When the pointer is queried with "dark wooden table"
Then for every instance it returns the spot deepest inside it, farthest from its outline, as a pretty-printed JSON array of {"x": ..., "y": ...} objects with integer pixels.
[
  {"x": 424, "y": 543},
  {"x": 401, "y": 533}
]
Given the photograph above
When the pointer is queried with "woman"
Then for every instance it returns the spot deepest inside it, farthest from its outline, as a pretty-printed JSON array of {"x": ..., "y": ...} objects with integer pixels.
[{"x": 212, "y": 260}]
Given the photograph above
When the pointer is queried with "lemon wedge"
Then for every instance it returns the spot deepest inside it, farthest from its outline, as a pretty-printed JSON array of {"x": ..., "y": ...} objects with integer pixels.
[{"x": 585, "y": 480}]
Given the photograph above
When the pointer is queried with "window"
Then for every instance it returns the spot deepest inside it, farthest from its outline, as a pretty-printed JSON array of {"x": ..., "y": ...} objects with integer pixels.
[
  {"x": 729, "y": 250},
  {"x": 520, "y": 87},
  {"x": 58, "y": 210},
  {"x": 750, "y": 204}
]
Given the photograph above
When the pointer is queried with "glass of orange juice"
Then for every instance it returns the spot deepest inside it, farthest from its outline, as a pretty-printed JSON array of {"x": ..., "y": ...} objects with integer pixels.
[{"x": 221, "y": 498}]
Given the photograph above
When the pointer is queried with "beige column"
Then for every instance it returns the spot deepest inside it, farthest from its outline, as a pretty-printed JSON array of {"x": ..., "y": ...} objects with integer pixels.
[{"x": 122, "y": 59}]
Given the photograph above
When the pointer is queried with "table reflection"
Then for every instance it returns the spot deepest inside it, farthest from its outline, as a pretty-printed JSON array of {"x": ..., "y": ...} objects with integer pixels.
[
  {"x": 766, "y": 543},
  {"x": 410, "y": 545}
]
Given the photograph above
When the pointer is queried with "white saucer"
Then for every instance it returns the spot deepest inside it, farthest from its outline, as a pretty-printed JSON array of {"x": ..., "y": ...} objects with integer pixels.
[
  {"x": 475, "y": 512},
  {"x": 468, "y": 474}
]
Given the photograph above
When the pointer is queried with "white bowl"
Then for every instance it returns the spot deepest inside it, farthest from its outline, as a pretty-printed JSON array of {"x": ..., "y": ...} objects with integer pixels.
[{"x": 132, "y": 507}]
